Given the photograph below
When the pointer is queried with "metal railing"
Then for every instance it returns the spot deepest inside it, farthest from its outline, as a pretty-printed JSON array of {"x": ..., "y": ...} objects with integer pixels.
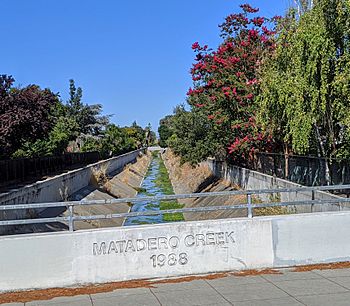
[{"x": 248, "y": 205}]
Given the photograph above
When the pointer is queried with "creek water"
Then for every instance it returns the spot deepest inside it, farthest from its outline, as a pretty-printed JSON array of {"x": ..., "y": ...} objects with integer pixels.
[{"x": 149, "y": 188}]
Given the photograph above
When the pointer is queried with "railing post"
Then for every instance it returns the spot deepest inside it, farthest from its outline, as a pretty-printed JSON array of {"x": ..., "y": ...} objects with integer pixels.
[
  {"x": 71, "y": 218},
  {"x": 312, "y": 198},
  {"x": 250, "y": 208}
]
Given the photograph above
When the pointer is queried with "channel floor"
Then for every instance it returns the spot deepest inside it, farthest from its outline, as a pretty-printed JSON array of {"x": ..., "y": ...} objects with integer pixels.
[{"x": 289, "y": 288}]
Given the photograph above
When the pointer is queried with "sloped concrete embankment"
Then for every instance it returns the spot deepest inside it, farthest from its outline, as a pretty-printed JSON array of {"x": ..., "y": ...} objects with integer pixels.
[
  {"x": 188, "y": 179},
  {"x": 253, "y": 180},
  {"x": 123, "y": 185},
  {"x": 212, "y": 176},
  {"x": 59, "y": 188}
]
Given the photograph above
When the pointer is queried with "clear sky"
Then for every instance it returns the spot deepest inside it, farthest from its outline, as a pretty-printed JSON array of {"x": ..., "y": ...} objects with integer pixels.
[{"x": 132, "y": 56}]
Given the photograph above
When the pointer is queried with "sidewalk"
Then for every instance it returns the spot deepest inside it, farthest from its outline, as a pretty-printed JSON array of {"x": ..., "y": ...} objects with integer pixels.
[{"x": 312, "y": 288}]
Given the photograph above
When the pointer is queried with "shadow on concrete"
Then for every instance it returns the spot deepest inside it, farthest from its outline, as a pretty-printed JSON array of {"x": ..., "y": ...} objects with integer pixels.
[{"x": 210, "y": 180}]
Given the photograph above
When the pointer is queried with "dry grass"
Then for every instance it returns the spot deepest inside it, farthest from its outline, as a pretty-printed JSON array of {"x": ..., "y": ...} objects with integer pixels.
[
  {"x": 256, "y": 272},
  {"x": 328, "y": 266},
  {"x": 99, "y": 174},
  {"x": 271, "y": 211},
  {"x": 64, "y": 193}
]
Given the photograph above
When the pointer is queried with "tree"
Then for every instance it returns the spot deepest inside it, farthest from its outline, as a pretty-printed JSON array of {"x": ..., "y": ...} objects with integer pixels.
[
  {"x": 150, "y": 136},
  {"x": 305, "y": 85},
  {"x": 25, "y": 114},
  {"x": 304, "y": 90},
  {"x": 88, "y": 117},
  {"x": 71, "y": 121},
  {"x": 193, "y": 136},
  {"x": 226, "y": 82},
  {"x": 164, "y": 130},
  {"x": 137, "y": 134},
  {"x": 117, "y": 141},
  {"x": 55, "y": 143}
]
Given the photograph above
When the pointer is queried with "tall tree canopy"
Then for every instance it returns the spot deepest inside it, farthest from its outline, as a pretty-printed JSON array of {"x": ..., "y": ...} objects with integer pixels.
[
  {"x": 35, "y": 122},
  {"x": 89, "y": 119},
  {"x": 226, "y": 84},
  {"x": 194, "y": 137},
  {"x": 25, "y": 114},
  {"x": 165, "y": 130},
  {"x": 305, "y": 86}
]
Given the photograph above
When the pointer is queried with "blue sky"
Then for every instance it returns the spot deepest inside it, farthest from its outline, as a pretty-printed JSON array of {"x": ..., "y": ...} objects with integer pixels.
[{"x": 132, "y": 56}]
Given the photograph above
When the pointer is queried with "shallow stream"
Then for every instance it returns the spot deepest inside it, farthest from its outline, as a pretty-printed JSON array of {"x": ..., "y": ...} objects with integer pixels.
[{"x": 156, "y": 182}]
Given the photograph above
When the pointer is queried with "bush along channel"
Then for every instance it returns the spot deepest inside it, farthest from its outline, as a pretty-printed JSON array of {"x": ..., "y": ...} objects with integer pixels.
[{"x": 156, "y": 182}]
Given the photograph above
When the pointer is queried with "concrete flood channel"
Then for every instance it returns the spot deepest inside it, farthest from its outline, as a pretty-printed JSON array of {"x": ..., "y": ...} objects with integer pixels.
[
  {"x": 155, "y": 183},
  {"x": 146, "y": 176},
  {"x": 166, "y": 175},
  {"x": 138, "y": 174}
]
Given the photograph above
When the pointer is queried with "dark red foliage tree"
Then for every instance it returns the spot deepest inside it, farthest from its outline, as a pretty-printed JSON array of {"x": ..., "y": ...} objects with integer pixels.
[
  {"x": 226, "y": 80},
  {"x": 24, "y": 114}
]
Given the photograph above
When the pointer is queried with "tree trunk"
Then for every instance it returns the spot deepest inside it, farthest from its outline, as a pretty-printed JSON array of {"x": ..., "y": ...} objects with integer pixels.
[
  {"x": 323, "y": 151},
  {"x": 286, "y": 161}
]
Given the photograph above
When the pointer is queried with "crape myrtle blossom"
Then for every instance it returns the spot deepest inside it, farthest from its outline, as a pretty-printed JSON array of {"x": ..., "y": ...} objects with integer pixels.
[{"x": 226, "y": 80}]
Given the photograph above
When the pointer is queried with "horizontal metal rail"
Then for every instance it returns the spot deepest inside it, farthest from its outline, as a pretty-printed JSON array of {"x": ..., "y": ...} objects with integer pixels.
[
  {"x": 172, "y": 197},
  {"x": 34, "y": 221},
  {"x": 173, "y": 211},
  {"x": 249, "y": 206}
]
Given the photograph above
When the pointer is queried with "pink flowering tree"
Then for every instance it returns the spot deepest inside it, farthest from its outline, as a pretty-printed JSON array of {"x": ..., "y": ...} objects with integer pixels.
[{"x": 226, "y": 81}]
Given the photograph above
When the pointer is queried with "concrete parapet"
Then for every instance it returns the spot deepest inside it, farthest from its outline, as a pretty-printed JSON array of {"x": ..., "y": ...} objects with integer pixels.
[{"x": 173, "y": 249}]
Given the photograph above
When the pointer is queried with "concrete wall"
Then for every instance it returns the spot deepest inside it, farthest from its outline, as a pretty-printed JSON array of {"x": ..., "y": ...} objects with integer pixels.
[
  {"x": 57, "y": 188},
  {"x": 173, "y": 249},
  {"x": 252, "y": 180}
]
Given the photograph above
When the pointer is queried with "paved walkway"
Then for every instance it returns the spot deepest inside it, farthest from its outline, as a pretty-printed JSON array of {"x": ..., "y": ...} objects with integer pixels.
[{"x": 318, "y": 287}]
